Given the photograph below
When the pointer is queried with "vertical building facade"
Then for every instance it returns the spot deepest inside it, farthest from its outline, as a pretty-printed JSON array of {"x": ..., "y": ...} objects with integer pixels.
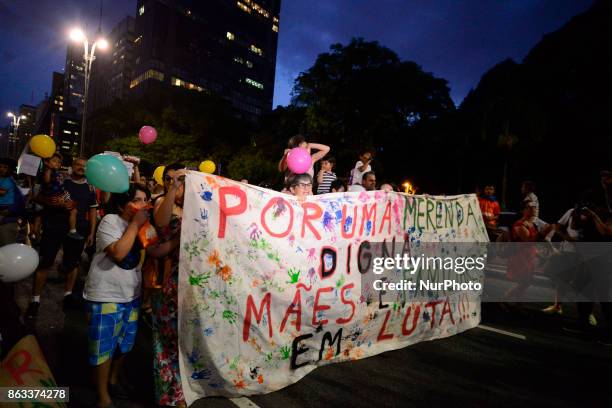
[
  {"x": 74, "y": 77},
  {"x": 59, "y": 120},
  {"x": 26, "y": 127},
  {"x": 220, "y": 46},
  {"x": 113, "y": 69}
]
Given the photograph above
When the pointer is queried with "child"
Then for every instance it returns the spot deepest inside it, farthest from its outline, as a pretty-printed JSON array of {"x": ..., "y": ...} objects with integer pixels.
[
  {"x": 52, "y": 187},
  {"x": 300, "y": 141},
  {"x": 361, "y": 167},
  {"x": 325, "y": 177}
]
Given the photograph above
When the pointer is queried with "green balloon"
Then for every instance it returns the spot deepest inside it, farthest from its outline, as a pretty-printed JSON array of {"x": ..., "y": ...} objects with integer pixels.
[{"x": 107, "y": 173}]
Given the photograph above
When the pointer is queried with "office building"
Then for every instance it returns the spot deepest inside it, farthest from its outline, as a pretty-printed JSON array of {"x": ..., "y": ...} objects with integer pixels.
[
  {"x": 219, "y": 46},
  {"x": 113, "y": 69}
]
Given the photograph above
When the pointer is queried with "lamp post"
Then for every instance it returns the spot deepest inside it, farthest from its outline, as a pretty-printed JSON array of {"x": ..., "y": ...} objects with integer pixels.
[
  {"x": 16, "y": 122},
  {"x": 89, "y": 56}
]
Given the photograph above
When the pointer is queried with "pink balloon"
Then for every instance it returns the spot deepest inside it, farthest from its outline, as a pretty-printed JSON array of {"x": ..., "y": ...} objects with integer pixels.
[
  {"x": 147, "y": 134},
  {"x": 299, "y": 160}
]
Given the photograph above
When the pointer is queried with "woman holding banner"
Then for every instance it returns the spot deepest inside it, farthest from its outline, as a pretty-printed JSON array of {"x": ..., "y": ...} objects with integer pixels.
[{"x": 168, "y": 213}]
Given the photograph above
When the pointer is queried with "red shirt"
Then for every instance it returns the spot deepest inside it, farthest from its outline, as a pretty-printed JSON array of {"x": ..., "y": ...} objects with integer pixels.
[{"x": 490, "y": 210}]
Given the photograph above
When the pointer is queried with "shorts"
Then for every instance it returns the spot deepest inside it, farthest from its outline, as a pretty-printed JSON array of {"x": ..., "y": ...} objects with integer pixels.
[
  {"x": 111, "y": 326},
  {"x": 56, "y": 237}
]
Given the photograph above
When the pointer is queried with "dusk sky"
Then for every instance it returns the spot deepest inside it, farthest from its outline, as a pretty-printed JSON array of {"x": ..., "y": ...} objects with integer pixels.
[{"x": 455, "y": 40}]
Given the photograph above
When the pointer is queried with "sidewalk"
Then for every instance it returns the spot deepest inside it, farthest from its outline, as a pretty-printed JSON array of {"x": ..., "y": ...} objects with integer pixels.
[{"x": 63, "y": 338}]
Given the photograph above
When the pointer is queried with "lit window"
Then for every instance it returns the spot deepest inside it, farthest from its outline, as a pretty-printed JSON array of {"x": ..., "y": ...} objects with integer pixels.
[
  {"x": 230, "y": 36},
  {"x": 150, "y": 74},
  {"x": 188, "y": 85},
  {"x": 141, "y": 10},
  {"x": 259, "y": 9},
  {"x": 275, "y": 20},
  {"x": 67, "y": 132},
  {"x": 275, "y": 28},
  {"x": 256, "y": 50},
  {"x": 243, "y": 6},
  {"x": 254, "y": 83}
]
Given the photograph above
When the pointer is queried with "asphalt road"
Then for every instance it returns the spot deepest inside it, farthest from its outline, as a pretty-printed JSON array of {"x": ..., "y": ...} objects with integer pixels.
[{"x": 512, "y": 360}]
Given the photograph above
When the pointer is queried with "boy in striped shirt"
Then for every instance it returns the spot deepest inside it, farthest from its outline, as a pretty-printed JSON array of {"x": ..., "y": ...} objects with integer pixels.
[{"x": 325, "y": 176}]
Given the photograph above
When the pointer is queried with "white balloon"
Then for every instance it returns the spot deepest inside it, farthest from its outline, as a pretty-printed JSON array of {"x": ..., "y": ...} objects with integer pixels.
[{"x": 17, "y": 261}]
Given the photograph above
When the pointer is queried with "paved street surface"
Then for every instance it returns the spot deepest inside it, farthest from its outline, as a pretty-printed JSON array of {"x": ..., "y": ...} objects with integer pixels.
[{"x": 511, "y": 360}]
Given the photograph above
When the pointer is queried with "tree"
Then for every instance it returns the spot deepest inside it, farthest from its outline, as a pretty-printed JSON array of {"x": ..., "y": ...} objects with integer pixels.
[
  {"x": 362, "y": 94},
  {"x": 191, "y": 127},
  {"x": 552, "y": 111}
]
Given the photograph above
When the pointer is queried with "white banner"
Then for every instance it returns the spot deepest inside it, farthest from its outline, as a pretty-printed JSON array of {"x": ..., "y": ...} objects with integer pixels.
[{"x": 270, "y": 288}]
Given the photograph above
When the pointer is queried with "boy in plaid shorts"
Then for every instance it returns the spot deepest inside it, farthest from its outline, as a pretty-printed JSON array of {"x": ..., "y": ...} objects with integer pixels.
[{"x": 112, "y": 291}]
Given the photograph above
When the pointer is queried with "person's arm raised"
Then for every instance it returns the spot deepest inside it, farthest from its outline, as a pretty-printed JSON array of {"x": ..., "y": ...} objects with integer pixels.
[
  {"x": 165, "y": 205},
  {"x": 322, "y": 151},
  {"x": 282, "y": 164}
]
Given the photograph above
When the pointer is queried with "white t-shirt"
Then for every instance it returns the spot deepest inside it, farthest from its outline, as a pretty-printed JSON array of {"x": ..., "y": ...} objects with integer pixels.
[
  {"x": 566, "y": 221},
  {"x": 109, "y": 281},
  {"x": 356, "y": 187},
  {"x": 532, "y": 198},
  {"x": 357, "y": 175}
]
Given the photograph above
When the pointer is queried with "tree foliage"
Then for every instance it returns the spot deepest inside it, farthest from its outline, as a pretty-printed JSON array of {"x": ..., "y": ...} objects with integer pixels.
[{"x": 362, "y": 95}]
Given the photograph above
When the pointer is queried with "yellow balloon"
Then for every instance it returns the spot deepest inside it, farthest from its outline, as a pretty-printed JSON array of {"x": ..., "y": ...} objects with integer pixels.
[
  {"x": 207, "y": 166},
  {"x": 158, "y": 175},
  {"x": 43, "y": 146}
]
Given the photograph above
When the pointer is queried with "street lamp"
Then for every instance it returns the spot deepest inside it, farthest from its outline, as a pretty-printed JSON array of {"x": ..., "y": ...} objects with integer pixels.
[
  {"x": 78, "y": 35},
  {"x": 16, "y": 122}
]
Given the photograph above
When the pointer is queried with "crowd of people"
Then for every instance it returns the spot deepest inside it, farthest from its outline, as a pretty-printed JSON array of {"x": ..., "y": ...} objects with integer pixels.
[
  {"x": 63, "y": 211},
  {"x": 574, "y": 268}
]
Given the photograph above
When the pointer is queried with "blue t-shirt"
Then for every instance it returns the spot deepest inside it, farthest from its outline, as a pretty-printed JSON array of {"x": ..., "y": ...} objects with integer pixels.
[{"x": 7, "y": 199}]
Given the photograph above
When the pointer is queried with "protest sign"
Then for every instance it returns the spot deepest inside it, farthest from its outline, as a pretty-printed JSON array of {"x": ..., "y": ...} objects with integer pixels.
[
  {"x": 25, "y": 366},
  {"x": 28, "y": 164},
  {"x": 270, "y": 287}
]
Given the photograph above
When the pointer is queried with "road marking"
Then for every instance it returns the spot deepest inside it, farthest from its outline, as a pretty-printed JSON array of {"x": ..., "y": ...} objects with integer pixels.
[
  {"x": 506, "y": 333},
  {"x": 243, "y": 402}
]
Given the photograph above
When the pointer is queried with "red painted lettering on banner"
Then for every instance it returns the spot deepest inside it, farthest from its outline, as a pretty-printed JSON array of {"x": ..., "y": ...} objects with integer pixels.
[
  {"x": 386, "y": 218},
  {"x": 346, "y": 301},
  {"x": 317, "y": 307},
  {"x": 17, "y": 370},
  {"x": 251, "y": 308},
  {"x": 368, "y": 215},
  {"x": 415, "y": 319},
  {"x": 315, "y": 215},
  {"x": 382, "y": 335},
  {"x": 280, "y": 202},
  {"x": 294, "y": 308},
  {"x": 446, "y": 310},
  {"x": 433, "y": 305},
  {"x": 224, "y": 211}
]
